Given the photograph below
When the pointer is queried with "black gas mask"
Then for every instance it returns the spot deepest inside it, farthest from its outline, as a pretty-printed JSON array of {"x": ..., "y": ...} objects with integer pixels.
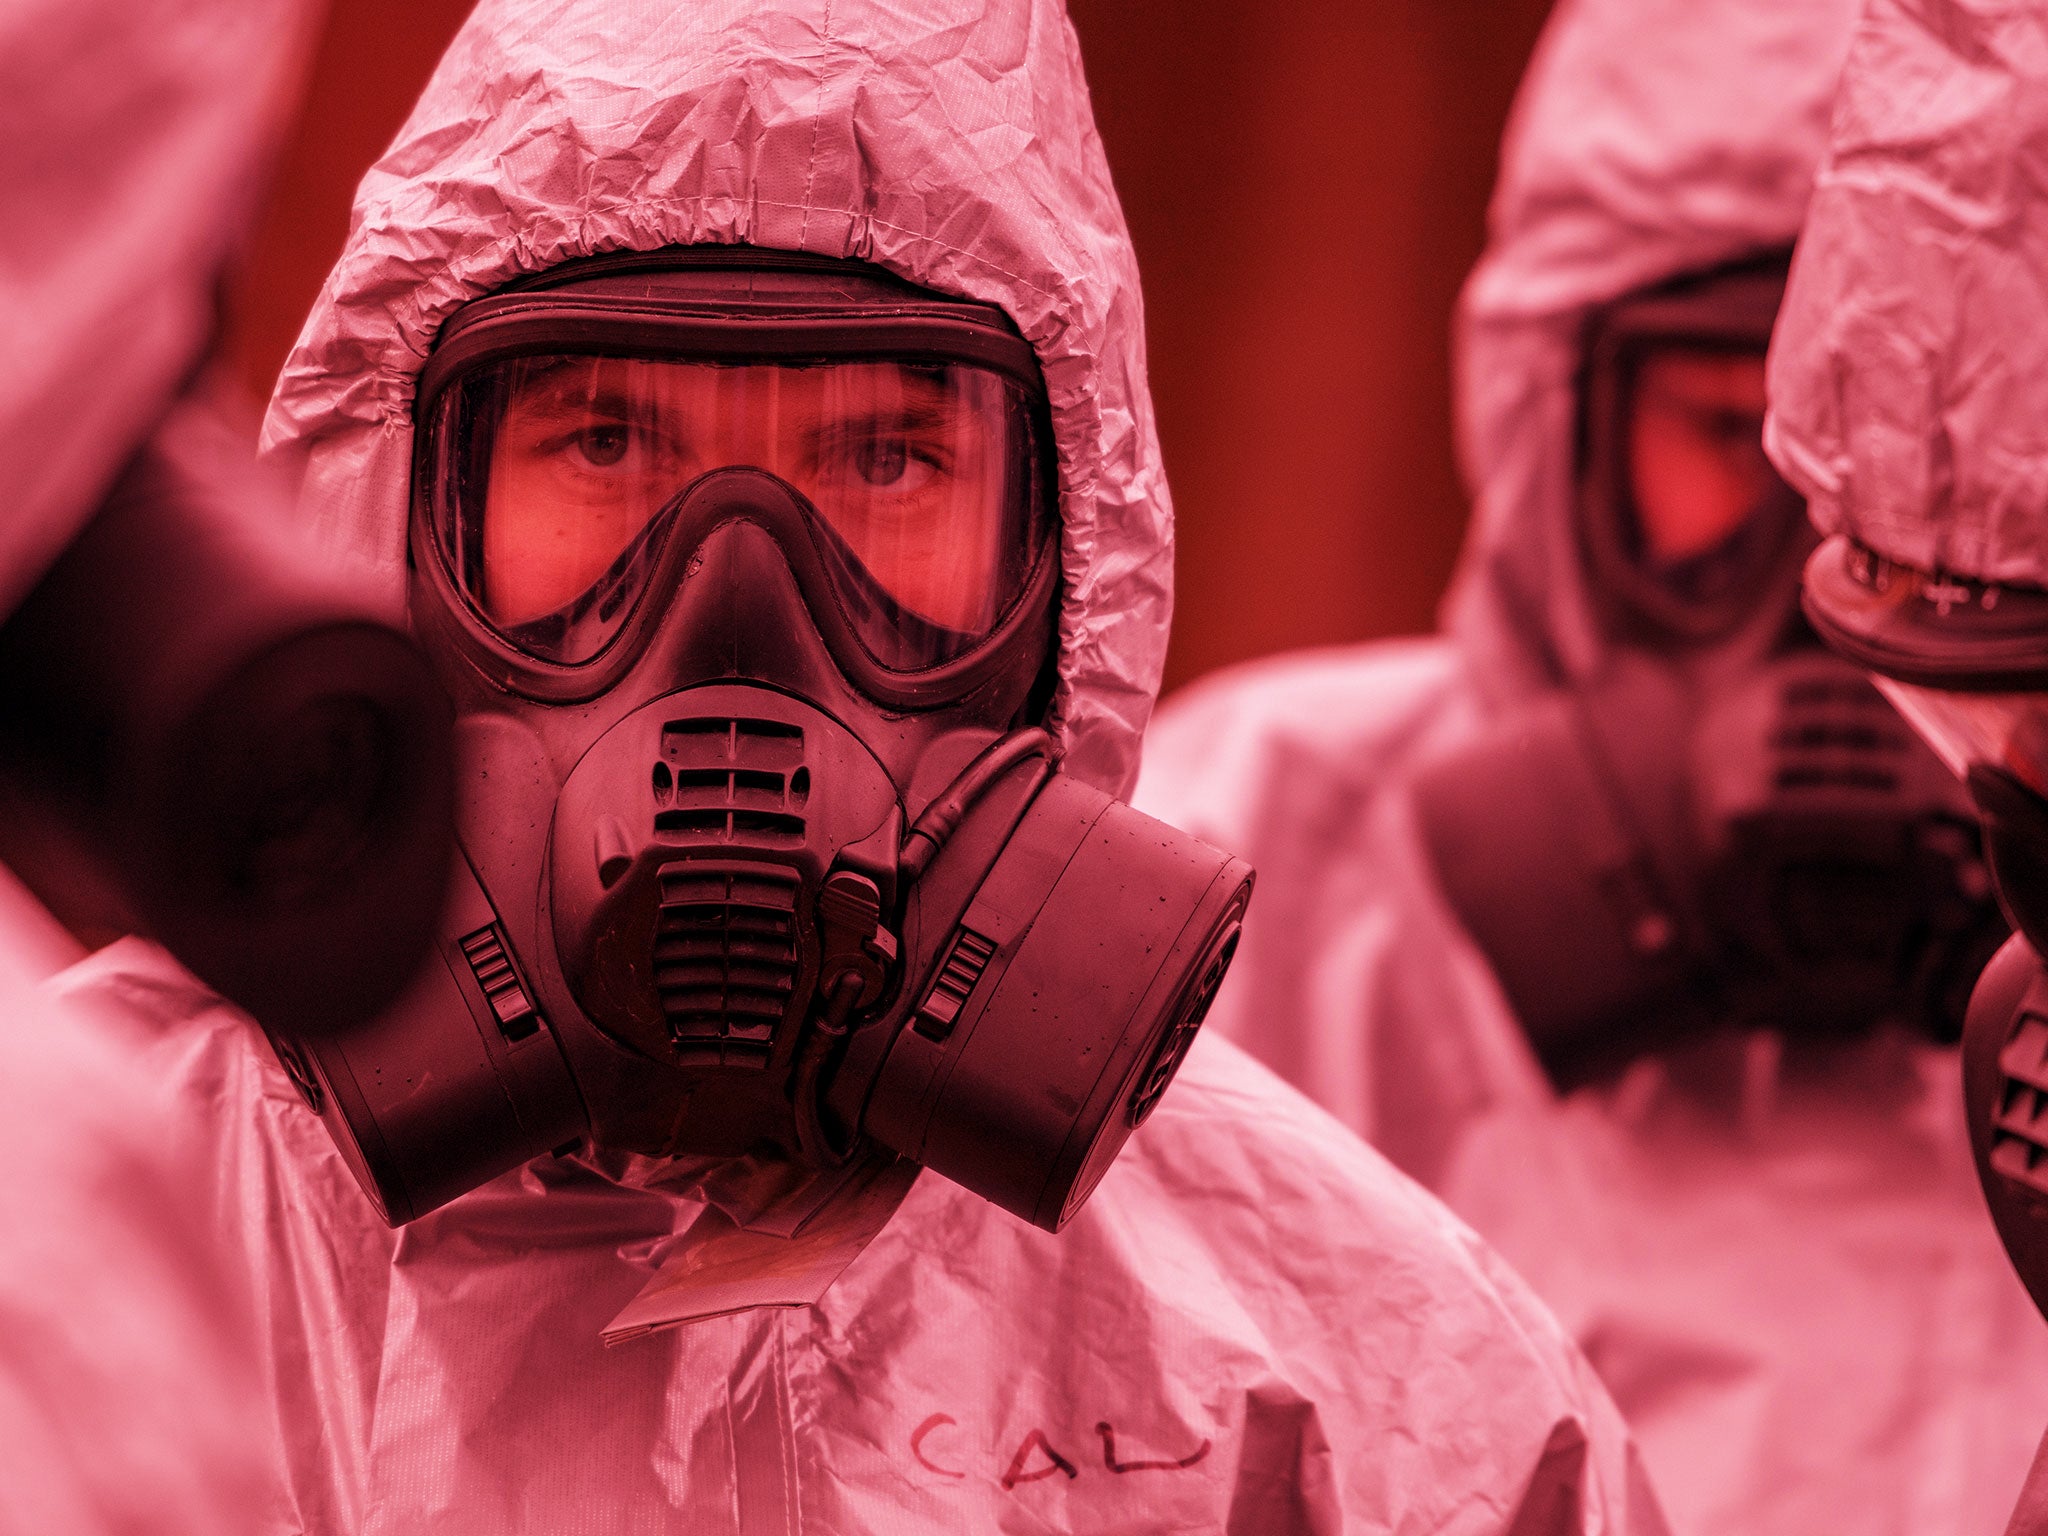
[
  {"x": 1963, "y": 660},
  {"x": 1727, "y": 825},
  {"x": 742, "y": 569}
]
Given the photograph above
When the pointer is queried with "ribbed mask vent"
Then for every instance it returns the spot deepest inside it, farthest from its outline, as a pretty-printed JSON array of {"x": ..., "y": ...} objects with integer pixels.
[
  {"x": 725, "y": 940},
  {"x": 731, "y": 781},
  {"x": 725, "y": 958}
]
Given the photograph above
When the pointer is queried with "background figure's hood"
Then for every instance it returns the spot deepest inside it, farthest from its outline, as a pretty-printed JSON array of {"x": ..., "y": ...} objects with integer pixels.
[
  {"x": 953, "y": 145},
  {"x": 1651, "y": 138},
  {"x": 1909, "y": 370},
  {"x": 134, "y": 135}
]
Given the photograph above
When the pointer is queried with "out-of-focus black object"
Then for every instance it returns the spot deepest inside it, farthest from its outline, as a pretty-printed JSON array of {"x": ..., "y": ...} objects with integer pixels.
[
  {"x": 2005, "y": 1038},
  {"x": 225, "y": 746},
  {"x": 2005, "y": 1091}
]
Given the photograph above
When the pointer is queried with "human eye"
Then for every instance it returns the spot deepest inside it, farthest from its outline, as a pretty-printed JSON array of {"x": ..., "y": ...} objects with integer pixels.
[
  {"x": 600, "y": 446},
  {"x": 885, "y": 457},
  {"x": 888, "y": 462}
]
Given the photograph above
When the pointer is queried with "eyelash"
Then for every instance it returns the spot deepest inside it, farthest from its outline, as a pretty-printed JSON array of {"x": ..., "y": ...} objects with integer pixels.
[
  {"x": 558, "y": 442},
  {"x": 916, "y": 445}
]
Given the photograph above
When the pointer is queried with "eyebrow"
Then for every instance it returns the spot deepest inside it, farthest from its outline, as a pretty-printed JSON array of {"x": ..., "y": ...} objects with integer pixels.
[{"x": 553, "y": 377}]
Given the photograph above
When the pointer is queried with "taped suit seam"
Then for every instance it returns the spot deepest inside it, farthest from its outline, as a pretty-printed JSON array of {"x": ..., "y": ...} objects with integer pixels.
[
  {"x": 803, "y": 231},
  {"x": 792, "y": 1498}
]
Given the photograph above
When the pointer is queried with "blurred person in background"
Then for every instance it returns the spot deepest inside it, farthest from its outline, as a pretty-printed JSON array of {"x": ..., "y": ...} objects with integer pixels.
[
  {"x": 133, "y": 137},
  {"x": 1622, "y": 914},
  {"x": 618, "y": 497}
]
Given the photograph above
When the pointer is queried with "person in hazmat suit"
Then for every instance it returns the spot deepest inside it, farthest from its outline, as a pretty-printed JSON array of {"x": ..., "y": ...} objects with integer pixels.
[
  {"x": 132, "y": 136},
  {"x": 1906, "y": 404},
  {"x": 750, "y": 405},
  {"x": 1622, "y": 914}
]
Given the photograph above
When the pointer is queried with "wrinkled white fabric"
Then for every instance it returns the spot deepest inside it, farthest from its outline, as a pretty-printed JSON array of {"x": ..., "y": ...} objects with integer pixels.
[
  {"x": 1779, "y": 1263},
  {"x": 952, "y": 145},
  {"x": 1909, "y": 370},
  {"x": 129, "y": 1402},
  {"x": 133, "y": 138},
  {"x": 1354, "y": 980},
  {"x": 1256, "y": 1326}
]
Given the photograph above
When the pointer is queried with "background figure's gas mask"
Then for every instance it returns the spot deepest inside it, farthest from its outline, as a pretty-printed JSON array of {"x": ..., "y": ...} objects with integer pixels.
[
  {"x": 1727, "y": 825},
  {"x": 742, "y": 569},
  {"x": 1967, "y": 663}
]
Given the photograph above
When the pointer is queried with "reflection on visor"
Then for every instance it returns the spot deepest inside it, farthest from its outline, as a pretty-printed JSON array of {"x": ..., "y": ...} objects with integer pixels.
[
  {"x": 1686, "y": 521},
  {"x": 1697, "y": 469},
  {"x": 923, "y": 477},
  {"x": 1707, "y": 511}
]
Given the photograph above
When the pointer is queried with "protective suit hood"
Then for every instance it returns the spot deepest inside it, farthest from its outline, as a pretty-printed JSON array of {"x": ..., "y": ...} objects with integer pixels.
[
  {"x": 959, "y": 154},
  {"x": 1909, "y": 370},
  {"x": 136, "y": 136},
  {"x": 1650, "y": 138}
]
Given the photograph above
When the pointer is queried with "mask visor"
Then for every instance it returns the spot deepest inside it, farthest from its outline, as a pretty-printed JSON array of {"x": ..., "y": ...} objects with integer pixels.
[
  {"x": 1683, "y": 520},
  {"x": 553, "y": 477}
]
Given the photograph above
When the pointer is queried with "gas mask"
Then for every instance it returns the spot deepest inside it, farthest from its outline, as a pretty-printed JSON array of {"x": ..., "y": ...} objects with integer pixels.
[
  {"x": 1964, "y": 661},
  {"x": 742, "y": 570},
  {"x": 1726, "y": 825}
]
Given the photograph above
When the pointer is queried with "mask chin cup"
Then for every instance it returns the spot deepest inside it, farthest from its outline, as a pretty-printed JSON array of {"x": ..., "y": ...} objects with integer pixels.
[
  {"x": 2005, "y": 1101},
  {"x": 1063, "y": 1000}
]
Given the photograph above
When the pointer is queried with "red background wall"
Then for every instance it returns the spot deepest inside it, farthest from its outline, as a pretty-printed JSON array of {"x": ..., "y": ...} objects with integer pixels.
[{"x": 1306, "y": 186}]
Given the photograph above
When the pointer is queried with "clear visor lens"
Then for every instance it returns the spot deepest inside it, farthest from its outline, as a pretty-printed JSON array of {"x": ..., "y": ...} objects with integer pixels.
[
  {"x": 1998, "y": 730},
  {"x": 554, "y": 473}
]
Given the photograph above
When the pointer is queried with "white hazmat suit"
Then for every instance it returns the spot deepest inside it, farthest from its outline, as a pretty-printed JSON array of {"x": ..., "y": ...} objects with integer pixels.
[
  {"x": 1254, "y": 1326},
  {"x": 1775, "y": 1254}
]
